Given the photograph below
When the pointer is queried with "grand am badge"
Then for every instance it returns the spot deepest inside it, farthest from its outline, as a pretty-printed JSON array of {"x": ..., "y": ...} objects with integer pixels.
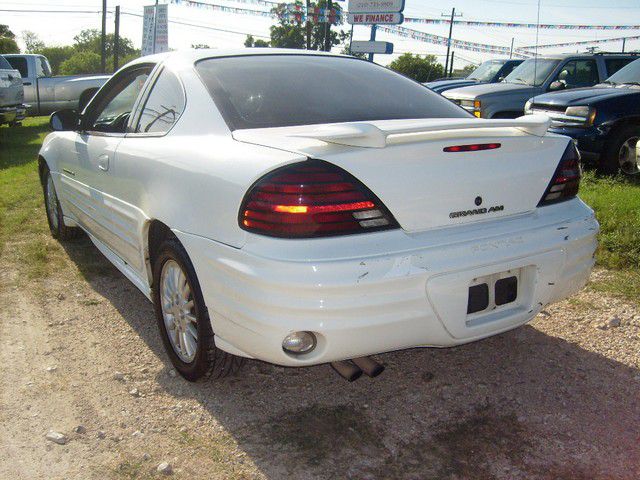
[{"x": 476, "y": 211}]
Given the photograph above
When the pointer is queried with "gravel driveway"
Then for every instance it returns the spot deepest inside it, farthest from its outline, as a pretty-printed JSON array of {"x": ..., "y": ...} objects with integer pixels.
[{"x": 80, "y": 355}]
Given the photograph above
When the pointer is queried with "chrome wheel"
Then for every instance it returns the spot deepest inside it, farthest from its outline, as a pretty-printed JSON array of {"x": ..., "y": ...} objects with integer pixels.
[
  {"x": 52, "y": 203},
  {"x": 178, "y": 311},
  {"x": 628, "y": 156}
]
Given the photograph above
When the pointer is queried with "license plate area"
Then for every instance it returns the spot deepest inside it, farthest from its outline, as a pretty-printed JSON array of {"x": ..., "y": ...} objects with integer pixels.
[{"x": 492, "y": 291}]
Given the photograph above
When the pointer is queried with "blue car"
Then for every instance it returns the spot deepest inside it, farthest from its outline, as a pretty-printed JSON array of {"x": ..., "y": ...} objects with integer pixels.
[
  {"x": 491, "y": 71},
  {"x": 603, "y": 119}
]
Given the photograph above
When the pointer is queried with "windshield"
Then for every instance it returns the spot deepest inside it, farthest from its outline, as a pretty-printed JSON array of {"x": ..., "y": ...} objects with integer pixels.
[
  {"x": 629, "y": 74},
  {"x": 261, "y": 91},
  {"x": 528, "y": 73},
  {"x": 486, "y": 71}
]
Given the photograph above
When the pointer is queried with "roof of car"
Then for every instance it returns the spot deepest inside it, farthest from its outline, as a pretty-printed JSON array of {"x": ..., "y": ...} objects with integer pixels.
[
  {"x": 562, "y": 56},
  {"x": 194, "y": 55}
]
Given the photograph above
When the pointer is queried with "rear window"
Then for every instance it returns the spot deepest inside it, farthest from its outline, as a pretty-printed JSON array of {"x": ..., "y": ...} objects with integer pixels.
[
  {"x": 20, "y": 64},
  {"x": 4, "y": 65},
  {"x": 615, "y": 64},
  {"x": 283, "y": 90}
]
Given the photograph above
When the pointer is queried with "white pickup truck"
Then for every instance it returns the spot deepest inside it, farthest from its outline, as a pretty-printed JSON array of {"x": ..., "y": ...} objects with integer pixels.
[
  {"x": 44, "y": 93},
  {"x": 12, "y": 110}
]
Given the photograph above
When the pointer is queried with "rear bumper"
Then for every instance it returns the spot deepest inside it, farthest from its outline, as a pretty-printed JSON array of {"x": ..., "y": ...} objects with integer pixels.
[
  {"x": 374, "y": 293},
  {"x": 13, "y": 113}
]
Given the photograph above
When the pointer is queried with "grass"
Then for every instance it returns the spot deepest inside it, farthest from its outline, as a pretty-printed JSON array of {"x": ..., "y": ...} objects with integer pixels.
[{"x": 616, "y": 201}]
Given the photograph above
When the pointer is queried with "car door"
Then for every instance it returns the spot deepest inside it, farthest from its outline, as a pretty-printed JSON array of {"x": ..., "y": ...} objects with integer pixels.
[
  {"x": 86, "y": 170},
  {"x": 136, "y": 160}
]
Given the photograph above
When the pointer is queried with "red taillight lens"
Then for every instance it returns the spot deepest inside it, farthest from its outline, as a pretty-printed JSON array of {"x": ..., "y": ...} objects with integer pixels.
[
  {"x": 566, "y": 180},
  {"x": 474, "y": 147},
  {"x": 312, "y": 199}
]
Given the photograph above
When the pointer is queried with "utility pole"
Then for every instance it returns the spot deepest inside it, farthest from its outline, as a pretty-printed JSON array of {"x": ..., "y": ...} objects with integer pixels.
[
  {"x": 451, "y": 68},
  {"x": 327, "y": 30},
  {"x": 624, "y": 41},
  {"x": 374, "y": 27},
  {"x": 103, "y": 40},
  {"x": 116, "y": 39},
  {"x": 511, "y": 52},
  {"x": 155, "y": 25},
  {"x": 308, "y": 26},
  {"x": 453, "y": 16}
]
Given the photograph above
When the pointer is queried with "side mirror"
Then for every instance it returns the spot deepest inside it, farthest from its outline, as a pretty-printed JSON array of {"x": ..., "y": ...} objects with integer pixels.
[
  {"x": 64, "y": 120},
  {"x": 557, "y": 85},
  {"x": 501, "y": 78}
]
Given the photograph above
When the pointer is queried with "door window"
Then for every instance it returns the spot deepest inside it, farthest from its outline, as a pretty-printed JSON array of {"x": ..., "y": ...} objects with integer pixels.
[
  {"x": 110, "y": 110},
  {"x": 164, "y": 106},
  {"x": 42, "y": 67},
  {"x": 579, "y": 73}
]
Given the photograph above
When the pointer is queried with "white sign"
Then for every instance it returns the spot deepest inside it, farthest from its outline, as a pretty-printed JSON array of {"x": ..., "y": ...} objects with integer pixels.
[
  {"x": 375, "y": 6},
  {"x": 375, "y": 18},
  {"x": 371, "y": 47},
  {"x": 158, "y": 23}
]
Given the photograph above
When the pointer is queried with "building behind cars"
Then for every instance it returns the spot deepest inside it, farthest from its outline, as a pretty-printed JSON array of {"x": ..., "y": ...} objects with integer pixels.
[
  {"x": 12, "y": 110},
  {"x": 491, "y": 71},
  {"x": 535, "y": 77},
  {"x": 603, "y": 119}
]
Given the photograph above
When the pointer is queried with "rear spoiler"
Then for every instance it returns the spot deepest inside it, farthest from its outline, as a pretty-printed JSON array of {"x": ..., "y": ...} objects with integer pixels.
[{"x": 363, "y": 134}]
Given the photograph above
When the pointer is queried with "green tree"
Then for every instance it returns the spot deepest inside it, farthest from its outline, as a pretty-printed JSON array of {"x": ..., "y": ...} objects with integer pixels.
[
  {"x": 6, "y": 32},
  {"x": 89, "y": 40},
  {"x": 291, "y": 31},
  {"x": 81, "y": 62},
  {"x": 252, "y": 42},
  {"x": 7, "y": 40},
  {"x": 8, "y": 45},
  {"x": 464, "y": 72},
  {"x": 32, "y": 41},
  {"x": 421, "y": 69}
]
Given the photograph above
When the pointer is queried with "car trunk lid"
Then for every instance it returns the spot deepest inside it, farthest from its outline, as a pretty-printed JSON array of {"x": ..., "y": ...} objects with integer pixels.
[{"x": 405, "y": 164}]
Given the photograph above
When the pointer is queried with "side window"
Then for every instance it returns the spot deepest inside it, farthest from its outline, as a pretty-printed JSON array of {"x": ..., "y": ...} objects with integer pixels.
[
  {"x": 110, "y": 112},
  {"x": 164, "y": 106},
  {"x": 615, "y": 64},
  {"x": 20, "y": 64},
  {"x": 42, "y": 68},
  {"x": 579, "y": 73}
]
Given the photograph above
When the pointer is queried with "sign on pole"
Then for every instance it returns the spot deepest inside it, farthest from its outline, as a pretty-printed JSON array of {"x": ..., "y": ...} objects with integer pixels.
[
  {"x": 375, "y": 18},
  {"x": 376, "y": 6},
  {"x": 371, "y": 47},
  {"x": 155, "y": 20}
]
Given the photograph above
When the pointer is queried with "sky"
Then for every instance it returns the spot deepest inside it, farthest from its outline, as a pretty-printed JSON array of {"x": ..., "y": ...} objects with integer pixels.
[{"x": 225, "y": 30}]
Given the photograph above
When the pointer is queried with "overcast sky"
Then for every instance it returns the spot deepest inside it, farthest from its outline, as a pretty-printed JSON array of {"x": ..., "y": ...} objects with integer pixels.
[{"x": 59, "y": 28}]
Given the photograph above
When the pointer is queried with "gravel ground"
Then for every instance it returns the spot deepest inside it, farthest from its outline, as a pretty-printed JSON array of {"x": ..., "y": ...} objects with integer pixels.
[{"x": 80, "y": 356}]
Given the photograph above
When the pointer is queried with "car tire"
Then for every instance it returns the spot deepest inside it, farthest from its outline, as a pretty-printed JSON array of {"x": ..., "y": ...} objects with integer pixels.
[
  {"x": 612, "y": 159},
  {"x": 54, "y": 212},
  {"x": 180, "y": 312}
]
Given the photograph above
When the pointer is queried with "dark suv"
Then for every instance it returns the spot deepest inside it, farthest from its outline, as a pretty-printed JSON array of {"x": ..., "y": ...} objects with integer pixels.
[{"x": 604, "y": 119}]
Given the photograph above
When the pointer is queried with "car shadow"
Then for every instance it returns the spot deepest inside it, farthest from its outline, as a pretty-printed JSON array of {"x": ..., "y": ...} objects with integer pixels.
[{"x": 522, "y": 404}]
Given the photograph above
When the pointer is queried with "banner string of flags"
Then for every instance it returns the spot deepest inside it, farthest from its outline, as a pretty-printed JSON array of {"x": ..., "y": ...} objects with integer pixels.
[
  {"x": 547, "y": 26},
  {"x": 298, "y": 13}
]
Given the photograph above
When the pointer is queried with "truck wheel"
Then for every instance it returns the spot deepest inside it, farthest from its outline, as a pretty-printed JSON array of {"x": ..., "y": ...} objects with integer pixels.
[
  {"x": 183, "y": 319},
  {"x": 620, "y": 152},
  {"x": 54, "y": 212}
]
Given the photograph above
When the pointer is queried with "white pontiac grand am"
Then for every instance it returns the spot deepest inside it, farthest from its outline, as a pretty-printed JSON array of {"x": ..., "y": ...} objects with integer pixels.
[{"x": 304, "y": 208}]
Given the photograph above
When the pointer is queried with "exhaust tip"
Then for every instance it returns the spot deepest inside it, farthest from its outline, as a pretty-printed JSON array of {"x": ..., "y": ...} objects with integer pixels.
[
  {"x": 369, "y": 366},
  {"x": 347, "y": 370}
]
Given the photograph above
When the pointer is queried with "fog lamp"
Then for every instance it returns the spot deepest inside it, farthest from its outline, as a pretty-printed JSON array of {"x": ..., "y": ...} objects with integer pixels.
[{"x": 299, "y": 342}]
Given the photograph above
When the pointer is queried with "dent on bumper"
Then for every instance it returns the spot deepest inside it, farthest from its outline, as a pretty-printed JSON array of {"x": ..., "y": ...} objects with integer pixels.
[{"x": 412, "y": 292}]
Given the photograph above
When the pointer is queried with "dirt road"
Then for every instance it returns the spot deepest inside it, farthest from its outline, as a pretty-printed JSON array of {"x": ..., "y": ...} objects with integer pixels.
[{"x": 557, "y": 399}]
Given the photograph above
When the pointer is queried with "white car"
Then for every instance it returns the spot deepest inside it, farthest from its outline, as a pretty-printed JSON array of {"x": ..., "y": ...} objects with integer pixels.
[{"x": 304, "y": 208}]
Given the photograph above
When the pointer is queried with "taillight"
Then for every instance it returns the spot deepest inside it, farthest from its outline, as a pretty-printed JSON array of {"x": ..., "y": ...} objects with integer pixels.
[
  {"x": 312, "y": 199},
  {"x": 566, "y": 180}
]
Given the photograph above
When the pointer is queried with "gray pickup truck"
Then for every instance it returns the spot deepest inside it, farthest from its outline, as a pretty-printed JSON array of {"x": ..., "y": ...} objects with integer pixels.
[
  {"x": 534, "y": 77},
  {"x": 44, "y": 93},
  {"x": 12, "y": 110}
]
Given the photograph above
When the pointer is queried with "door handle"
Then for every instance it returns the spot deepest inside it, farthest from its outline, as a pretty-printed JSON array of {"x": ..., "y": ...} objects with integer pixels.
[
  {"x": 26, "y": 83},
  {"x": 103, "y": 162}
]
